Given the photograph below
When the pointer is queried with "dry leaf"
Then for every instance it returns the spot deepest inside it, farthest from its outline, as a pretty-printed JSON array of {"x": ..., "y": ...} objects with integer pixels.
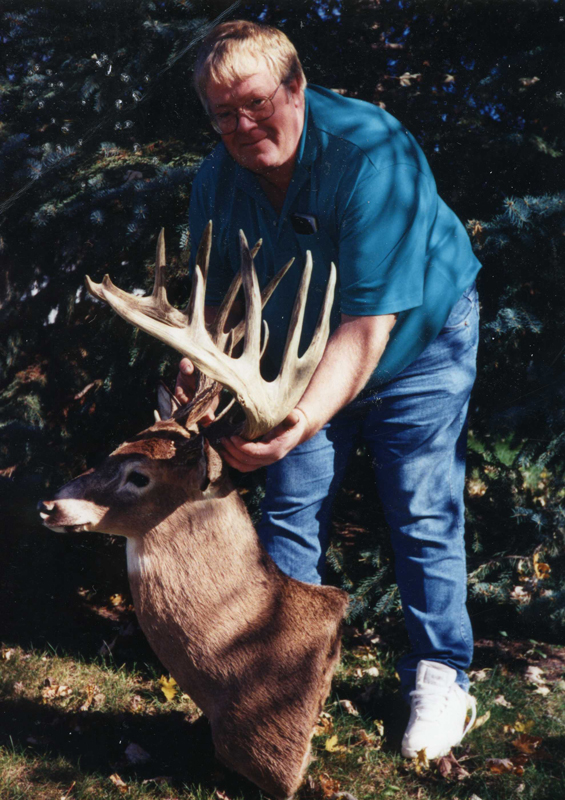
[
  {"x": 527, "y": 744},
  {"x": 379, "y": 725},
  {"x": 367, "y": 740},
  {"x": 541, "y": 569},
  {"x": 324, "y": 725},
  {"x": 348, "y": 707},
  {"x": 136, "y": 703},
  {"x": 117, "y": 600},
  {"x": 118, "y": 782},
  {"x": 160, "y": 780},
  {"x": 477, "y": 675},
  {"x": 8, "y": 654},
  {"x": 333, "y": 747},
  {"x": 421, "y": 763},
  {"x": 523, "y": 727},
  {"x": 543, "y": 690},
  {"x": 502, "y": 701},
  {"x": 448, "y": 766},
  {"x": 329, "y": 786},
  {"x": 372, "y": 671},
  {"x": 499, "y": 766},
  {"x": 534, "y": 675},
  {"x": 90, "y": 689},
  {"x": 480, "y": 721},
  {"x": 55, "y": 690},
  {"x": 168, "y": 686},
  {"x": 19, "y": 687},
  {"x": 136, "y": 754}
]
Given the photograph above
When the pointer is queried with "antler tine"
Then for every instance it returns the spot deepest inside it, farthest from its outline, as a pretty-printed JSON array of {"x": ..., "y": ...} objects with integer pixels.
[
  {"x": 159, "y": 291},
  {"x": 297, "y": 318},
  {"x": 252, "y": 346},
  {"x": 203, "y": 253},
  {"x": 217, "y": 328}
]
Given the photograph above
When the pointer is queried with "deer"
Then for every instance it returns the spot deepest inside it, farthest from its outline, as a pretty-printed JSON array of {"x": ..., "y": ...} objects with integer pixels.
[{"x": 255, "y": 649}]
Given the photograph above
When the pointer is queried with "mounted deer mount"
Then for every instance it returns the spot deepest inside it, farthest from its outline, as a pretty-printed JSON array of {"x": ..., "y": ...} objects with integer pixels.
[{"x": 254, "y": 649}]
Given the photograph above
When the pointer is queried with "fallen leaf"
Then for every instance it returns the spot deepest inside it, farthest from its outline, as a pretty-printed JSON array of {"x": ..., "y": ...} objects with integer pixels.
[
  {"x": 348, "y": 707},
  {"x": 324, "y": 725},
  {"x": 19, "y": 687},
  {"x": 379, "y": 725},
  {"x": 373, "y": 672},
  {"x": 135, "y": 754},
  {"x": 527, "y": 744},
  {"x": 523, "y": 727},
  {"x": 136, "y": 703},
  {"x": 534, "y": 675},
  {"x": 90, "y": 689},
  {"x": 477, "y": 675},
  {"x": 8, "y": 654},
  {"x": 480, "y": 721},
  {"x": 169, "y": 687},
  {"x": 448, "y": 766},
  {"x": 449, "y": 79},
  {"x": 333, "y": 747},
  {"x": 55, "y": 690},
  {"x": 367, "y": 739},
  {"x": 502, "y": 701},
  {"x": 329, "y": 786},
  {"x": 499, "y": 766},
  {"x": 421, "y": 762},
  {"x": 118, "y": 782},
  {"x": 160, "y": 780},
  {"x": 543, "y": 690}
]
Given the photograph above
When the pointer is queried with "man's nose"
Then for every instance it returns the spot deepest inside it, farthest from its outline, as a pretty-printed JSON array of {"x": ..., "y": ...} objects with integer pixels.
[{"x": 245, "y": 124}]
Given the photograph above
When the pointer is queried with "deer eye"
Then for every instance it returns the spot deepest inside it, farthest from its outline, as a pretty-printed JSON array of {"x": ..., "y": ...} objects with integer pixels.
[{"x": 138, "y": 479}]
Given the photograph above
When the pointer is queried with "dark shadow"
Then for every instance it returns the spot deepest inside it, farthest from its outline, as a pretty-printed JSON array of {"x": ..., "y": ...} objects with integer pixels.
[{"x": 95, "y": 744}]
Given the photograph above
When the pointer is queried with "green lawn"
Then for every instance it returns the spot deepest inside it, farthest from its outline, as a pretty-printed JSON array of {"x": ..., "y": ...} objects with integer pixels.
[{"x": 109, "y": 727}]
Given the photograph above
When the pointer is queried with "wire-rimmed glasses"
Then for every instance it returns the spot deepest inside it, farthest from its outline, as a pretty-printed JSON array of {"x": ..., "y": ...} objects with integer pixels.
[{"x": 257, "y": 109}]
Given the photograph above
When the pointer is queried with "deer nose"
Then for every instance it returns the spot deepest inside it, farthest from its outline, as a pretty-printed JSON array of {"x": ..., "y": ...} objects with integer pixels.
[{"x": 46, "y": 507}]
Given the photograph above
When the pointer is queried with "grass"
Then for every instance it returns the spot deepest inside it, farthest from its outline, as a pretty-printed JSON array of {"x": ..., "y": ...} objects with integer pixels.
[
  {"x": 72, "y": 728},
  {"x": 81, "y": 697}
]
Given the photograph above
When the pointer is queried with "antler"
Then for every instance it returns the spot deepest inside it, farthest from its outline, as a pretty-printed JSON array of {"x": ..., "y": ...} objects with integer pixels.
[{"x": 265, "y": 403}]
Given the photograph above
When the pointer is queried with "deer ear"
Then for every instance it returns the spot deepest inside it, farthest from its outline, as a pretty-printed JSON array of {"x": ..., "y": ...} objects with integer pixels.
[
  {"x": 214, "y": 464},
  {"x": 167, "y": 404}
]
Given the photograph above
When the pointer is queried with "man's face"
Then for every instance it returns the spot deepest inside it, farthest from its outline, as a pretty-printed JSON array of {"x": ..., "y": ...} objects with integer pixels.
[{"x": 272, "y": 143}]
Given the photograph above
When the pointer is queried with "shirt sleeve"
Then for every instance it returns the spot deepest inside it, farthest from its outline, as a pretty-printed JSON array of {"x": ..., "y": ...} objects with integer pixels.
[{"x": 385, "y": 218}]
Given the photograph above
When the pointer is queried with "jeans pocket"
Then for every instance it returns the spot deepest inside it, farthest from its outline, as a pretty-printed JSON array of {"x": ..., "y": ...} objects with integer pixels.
[{"x": 462, "y": 309}]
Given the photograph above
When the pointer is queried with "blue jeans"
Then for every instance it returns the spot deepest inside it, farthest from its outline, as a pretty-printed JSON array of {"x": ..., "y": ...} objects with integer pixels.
[{"x": 415, "y": 429}]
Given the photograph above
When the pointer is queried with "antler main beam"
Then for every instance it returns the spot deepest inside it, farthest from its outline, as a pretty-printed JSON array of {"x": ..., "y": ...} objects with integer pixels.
[{"x": 265, "y": 403}]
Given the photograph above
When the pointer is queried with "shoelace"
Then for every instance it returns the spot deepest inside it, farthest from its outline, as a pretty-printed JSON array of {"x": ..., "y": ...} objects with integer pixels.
[{"x": 430, "y": 702}]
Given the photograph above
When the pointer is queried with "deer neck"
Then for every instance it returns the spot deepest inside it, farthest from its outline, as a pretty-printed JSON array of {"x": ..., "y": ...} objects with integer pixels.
[{"x": 198, "y": 579}]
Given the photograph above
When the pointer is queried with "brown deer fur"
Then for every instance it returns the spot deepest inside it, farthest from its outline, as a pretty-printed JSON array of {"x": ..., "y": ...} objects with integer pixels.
[{"x": 255, "y": 649}]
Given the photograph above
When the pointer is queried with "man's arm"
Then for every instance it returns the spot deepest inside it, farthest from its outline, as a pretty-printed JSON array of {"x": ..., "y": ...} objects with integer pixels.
[{"x": 352, "y": 354}]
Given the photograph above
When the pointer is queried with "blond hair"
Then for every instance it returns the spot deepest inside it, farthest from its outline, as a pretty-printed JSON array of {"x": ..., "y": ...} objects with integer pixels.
[{"x": 231, "y": 51}]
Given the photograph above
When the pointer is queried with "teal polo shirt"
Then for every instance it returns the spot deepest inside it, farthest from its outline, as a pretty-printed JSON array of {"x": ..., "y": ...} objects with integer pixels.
[{"x": 397, "y": 247}]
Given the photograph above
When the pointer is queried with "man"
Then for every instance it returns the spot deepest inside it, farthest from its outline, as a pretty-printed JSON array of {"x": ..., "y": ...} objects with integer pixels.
[{"x": 306, "y": 169}]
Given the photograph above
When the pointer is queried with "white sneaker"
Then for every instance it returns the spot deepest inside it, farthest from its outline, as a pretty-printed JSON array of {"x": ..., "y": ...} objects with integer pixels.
[{"x": 438, "y": 712}]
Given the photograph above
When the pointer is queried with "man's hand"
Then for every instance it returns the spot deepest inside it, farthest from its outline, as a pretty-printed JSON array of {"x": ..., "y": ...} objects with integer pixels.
[
  {"x": 247, "y": 456},
  {"x": 186, "y": 386}
]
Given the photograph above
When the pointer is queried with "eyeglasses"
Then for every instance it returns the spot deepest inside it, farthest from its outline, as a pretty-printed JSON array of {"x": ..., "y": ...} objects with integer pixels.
[{"x": 257, "y": 109}]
